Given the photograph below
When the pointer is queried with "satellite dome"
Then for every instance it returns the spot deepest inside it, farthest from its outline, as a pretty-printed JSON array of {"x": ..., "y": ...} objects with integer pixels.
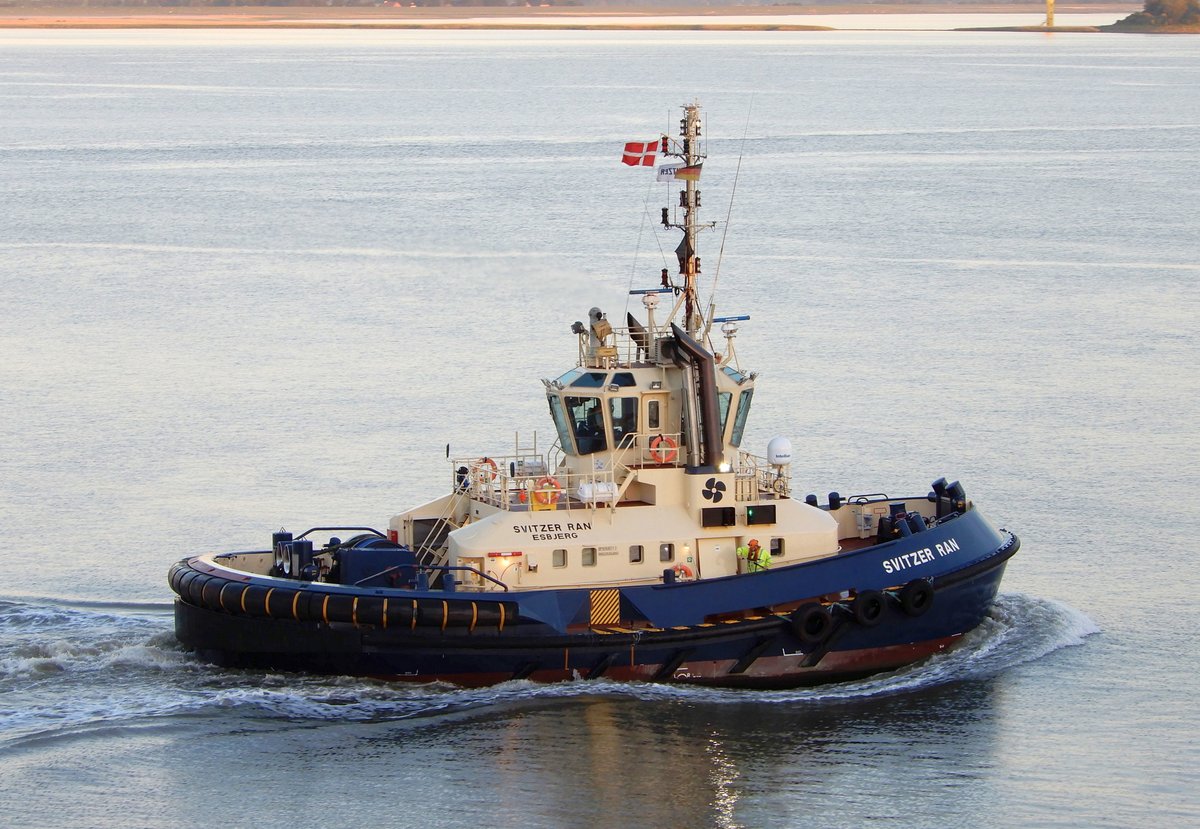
[{"x": 779, "y": 451}]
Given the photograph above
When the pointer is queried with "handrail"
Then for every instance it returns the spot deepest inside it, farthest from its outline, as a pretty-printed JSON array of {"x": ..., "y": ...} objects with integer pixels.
[
  {"x": 445, "y": 567},
  {"x": 427, "y": 550},
  {"x": 866, "y": 499},
  {"x": 627, "y": 346},
  {"x": 474, "y": 570},
  {"x": 489, "y": 479},
  {"x": 382, "y": 572},
  {"x": 763, "y": 476},
  {"x": 339, "y": 529}
]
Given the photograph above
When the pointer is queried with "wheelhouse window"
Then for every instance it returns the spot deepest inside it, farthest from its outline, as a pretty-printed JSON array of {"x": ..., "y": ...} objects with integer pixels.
[
  {"x": 624, "y": 414},
  {"x": 623, "y": 378},
  {"x": 590, "y": 380},
  {"x": 734, "y": 374},
  {"x": 586, "y": 416},
  {"x": 743, "y": 412},
  {"x": 589, "y": 556},
  {"x": 666, "y": 552},
  {"x": 724, "y": 401},
  {"x": 560, "y": 558},
  {"x": 637, "y": 554},
  {"x": 560, "y": 423},
  {"x": 570, "y": 377}
]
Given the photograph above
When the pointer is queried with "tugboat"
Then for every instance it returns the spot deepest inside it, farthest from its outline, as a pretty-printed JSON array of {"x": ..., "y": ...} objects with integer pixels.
[{"x": 644, "y": 544}]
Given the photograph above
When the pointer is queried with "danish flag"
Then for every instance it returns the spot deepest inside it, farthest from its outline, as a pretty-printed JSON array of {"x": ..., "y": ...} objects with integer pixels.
[{"x": 639, "y": 153}]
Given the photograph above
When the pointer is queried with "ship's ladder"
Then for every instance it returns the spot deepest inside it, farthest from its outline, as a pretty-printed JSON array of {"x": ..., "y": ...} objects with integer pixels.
[{"x": 435, "y": 556}]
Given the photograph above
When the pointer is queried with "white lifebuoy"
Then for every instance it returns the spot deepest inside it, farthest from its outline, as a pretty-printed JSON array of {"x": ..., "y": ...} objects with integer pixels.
[{"x": 660, "y": 456}]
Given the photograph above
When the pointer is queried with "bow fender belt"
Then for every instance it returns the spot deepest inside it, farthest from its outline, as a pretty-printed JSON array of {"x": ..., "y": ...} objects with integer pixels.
[{"x": 304, "y": 605}]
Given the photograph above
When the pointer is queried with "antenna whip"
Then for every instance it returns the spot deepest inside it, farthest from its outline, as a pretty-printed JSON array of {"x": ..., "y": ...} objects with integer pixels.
[{"x": 721, "y": 253}]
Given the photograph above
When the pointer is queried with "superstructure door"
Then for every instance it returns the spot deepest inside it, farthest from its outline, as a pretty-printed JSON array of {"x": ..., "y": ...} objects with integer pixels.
[
  {"x": 716, "y": 557},
  {"x": 655, "y": 423}
]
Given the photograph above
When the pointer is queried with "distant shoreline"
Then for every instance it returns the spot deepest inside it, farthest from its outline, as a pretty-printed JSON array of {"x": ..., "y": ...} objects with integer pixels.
[{"x": 492, "y": 17}]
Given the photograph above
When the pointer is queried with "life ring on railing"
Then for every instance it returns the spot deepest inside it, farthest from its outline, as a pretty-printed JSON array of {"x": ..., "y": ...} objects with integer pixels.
[
  {"x": 660, "y": 456},
  {"x": 486, "y": 470},
  {"x": 547, "y": 490},
  {"x": 682, "y": 571}
]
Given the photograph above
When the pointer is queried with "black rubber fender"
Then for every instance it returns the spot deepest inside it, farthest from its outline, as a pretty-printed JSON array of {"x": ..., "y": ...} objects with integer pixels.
[
  {"x": 183, "y": 583},
  {"x": 337, "y": 607},
  {"x": 369, "y": 611},
  {"x": 400, "y": 613},
  {"x": 916, "y": 597},
  {"x": 433, "y": 613},
  {"x": 868, "y": 607},
  {"x": 218, "y": 593},
  {"x": 279, "y": 602},
  {"x": 229, "y": 597},
  {"x": 195, "y": 589},
  {"x": 186, "y": 580},
  {"x": 812, "y": 623},
  {"x": 310, "y": 606},
  {"x": 176, "y": 574},
  {"x": 210, "y": 592},
  {"x": 463, "y": 614},
  {"x": 254, "y": 600}
]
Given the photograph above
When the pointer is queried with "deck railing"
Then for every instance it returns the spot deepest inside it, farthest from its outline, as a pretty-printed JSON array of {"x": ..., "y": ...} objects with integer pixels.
[{"x": 535, "y": 482}]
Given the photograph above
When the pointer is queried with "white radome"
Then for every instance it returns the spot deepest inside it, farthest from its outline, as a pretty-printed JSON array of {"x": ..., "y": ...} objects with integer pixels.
[{"x": 779, "y": 451}]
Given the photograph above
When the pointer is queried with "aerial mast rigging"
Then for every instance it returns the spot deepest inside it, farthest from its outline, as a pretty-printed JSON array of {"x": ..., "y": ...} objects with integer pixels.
[{"x": 688, "y": 150}]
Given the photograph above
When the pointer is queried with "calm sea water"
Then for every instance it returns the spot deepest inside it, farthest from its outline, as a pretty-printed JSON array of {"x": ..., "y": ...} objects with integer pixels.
[{"x": 261, "y": 279}]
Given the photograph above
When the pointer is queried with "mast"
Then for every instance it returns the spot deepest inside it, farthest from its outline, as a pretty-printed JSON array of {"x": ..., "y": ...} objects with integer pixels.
[{"x": 688, "y": 149}]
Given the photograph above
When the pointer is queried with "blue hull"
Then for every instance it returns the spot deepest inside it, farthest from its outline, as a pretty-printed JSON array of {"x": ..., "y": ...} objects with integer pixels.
[{"x": 756, "y": 630}]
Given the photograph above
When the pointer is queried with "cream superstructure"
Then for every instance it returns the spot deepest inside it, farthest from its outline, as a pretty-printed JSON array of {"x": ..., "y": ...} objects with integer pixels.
[{"x": 646, "y": 473}]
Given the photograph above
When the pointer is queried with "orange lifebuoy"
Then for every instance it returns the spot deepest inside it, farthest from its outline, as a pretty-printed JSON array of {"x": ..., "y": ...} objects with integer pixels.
[
  {"x": 663, "y": 457},
  {"x": 486, "y": 469},
  {"x": 682, "y": 571},
  {"x": 547, "y": 490}
]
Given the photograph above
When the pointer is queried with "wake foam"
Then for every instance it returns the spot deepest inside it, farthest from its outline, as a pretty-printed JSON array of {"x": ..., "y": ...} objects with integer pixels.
[{"x": 55, "y": 637}]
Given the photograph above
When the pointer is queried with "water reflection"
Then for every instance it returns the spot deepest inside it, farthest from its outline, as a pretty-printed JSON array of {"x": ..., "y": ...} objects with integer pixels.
[{"x": 685, "y": 764}]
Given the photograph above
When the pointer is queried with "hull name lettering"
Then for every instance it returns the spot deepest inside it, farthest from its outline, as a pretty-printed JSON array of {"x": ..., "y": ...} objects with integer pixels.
[{"x": 918, "y": 557}]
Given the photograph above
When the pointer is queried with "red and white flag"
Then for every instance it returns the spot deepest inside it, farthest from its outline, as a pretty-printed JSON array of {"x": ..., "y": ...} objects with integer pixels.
[{"x": 639, "y": 153}]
